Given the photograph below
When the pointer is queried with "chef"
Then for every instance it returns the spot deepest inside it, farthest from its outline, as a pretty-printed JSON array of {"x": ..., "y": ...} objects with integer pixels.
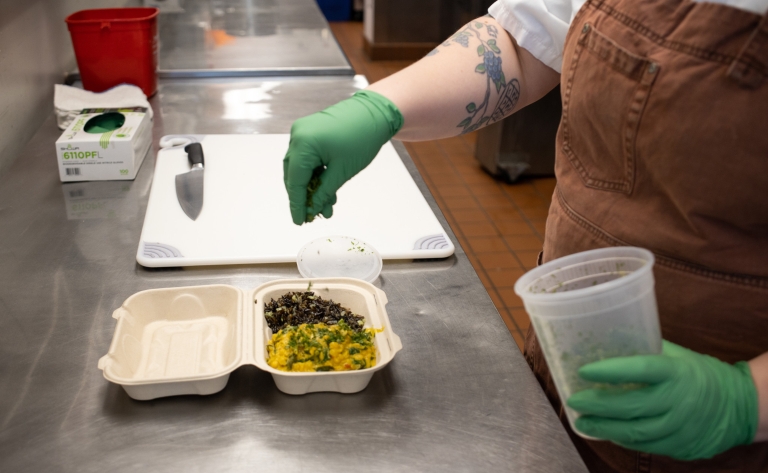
[{"x": 663, "y": 144}]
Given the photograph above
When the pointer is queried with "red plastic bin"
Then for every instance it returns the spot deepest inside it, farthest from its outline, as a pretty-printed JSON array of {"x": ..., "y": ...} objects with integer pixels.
[{"x": 115, "y": 46}]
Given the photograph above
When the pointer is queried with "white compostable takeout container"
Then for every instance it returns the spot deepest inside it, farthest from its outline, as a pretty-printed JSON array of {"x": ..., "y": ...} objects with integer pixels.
[
  {"x": 187, "y": 340},
  {"x": 591, "y": 306}
]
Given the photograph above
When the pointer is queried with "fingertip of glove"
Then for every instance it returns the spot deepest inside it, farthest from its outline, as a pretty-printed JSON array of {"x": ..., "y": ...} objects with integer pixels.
[
  {"x": 298, "y": 215},
  {"x": 590, "y": 371},
  {"x": 610, "y": 370},
  {"x": 575, "y": 401},
  {"x": 327, "y": 211},
  {"x": 586, "y": 426},
  {"x": 672, "y": 349},
  {"x": 583, "y": 401}
]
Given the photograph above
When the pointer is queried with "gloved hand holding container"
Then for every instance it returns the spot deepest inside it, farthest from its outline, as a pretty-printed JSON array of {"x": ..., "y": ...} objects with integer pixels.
[{"x": 591, "y": 306}]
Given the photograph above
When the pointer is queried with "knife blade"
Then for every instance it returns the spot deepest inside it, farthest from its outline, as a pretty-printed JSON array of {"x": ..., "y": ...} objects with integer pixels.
[{"x": 189, "y": 185}]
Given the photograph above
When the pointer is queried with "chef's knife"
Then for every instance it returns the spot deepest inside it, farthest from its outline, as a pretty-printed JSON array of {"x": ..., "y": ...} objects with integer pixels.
[{"x": 189, "y": 185}]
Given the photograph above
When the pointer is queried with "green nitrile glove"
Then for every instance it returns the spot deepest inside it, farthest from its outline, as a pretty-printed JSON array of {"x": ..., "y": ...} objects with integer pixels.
[
  {"x": 343, "y": 138},
  {"x": 694, "y": 406}
]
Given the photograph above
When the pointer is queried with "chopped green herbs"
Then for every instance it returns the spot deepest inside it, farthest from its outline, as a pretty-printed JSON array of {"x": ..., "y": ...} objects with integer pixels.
[
  {"x": 320, "y": 347},
  {"x": 356, "y": 247}
]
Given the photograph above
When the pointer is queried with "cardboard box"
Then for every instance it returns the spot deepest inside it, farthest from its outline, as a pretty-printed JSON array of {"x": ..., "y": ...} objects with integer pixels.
[{"x": 89, "y": 150}]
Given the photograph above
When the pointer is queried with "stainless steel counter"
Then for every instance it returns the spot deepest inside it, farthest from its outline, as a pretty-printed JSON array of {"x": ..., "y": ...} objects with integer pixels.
[
  {"x": 201, "y": 38},
  {"x": 458, "y": 397}
]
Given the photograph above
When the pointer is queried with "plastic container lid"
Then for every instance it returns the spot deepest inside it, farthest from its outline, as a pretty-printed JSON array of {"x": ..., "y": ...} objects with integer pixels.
[{"x": 339, "y": 256}]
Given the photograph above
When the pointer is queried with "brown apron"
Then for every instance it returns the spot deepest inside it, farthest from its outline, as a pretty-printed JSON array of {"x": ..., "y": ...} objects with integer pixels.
[{"x": 663, "y": 144}]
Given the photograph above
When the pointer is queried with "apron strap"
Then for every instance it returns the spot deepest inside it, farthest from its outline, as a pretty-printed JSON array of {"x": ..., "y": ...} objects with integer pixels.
[{"x": 751, "y": 64}]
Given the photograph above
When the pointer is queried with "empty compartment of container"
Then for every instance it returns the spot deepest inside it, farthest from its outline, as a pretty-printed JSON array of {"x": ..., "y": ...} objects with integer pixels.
[{"x": 176, "y": 341}]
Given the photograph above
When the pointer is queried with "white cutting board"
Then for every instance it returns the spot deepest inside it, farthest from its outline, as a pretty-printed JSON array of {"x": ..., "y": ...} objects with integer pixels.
[{"x": 246, "y": 217}]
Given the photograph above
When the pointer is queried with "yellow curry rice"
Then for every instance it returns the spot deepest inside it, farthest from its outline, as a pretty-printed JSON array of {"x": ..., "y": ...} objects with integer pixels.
[{"x": 321, "y": 347}]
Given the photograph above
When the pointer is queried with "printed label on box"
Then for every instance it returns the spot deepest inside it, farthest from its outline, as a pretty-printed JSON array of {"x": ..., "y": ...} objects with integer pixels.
[{"x": 104, "y": 144}]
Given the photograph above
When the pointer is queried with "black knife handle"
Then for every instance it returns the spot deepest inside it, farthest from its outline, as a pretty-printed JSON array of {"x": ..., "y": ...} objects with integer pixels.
[{"x": 194, "y": 153}]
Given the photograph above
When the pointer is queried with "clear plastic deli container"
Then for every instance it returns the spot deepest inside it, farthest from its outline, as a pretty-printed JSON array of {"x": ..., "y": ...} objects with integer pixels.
[
  {"x": 188, "y": 340},
  {"x": 591, "y": 306}
]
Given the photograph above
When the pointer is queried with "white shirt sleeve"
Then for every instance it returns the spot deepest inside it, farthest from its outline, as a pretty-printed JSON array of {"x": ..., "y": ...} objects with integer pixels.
[{"x": 539, "y": 26}]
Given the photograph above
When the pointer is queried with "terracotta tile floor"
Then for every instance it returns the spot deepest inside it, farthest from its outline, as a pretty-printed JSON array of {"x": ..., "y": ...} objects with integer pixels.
[{"x": 500, "y": 226}]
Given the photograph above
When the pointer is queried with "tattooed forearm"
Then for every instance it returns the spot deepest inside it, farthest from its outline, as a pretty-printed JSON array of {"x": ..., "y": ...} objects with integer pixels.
[
  {"x": 473, "y": 79},
  {"x": 506, "y": 94}
]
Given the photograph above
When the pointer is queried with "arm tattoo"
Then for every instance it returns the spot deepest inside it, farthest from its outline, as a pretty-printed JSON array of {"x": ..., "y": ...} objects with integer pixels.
[{"x": 507, "y": 93}]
